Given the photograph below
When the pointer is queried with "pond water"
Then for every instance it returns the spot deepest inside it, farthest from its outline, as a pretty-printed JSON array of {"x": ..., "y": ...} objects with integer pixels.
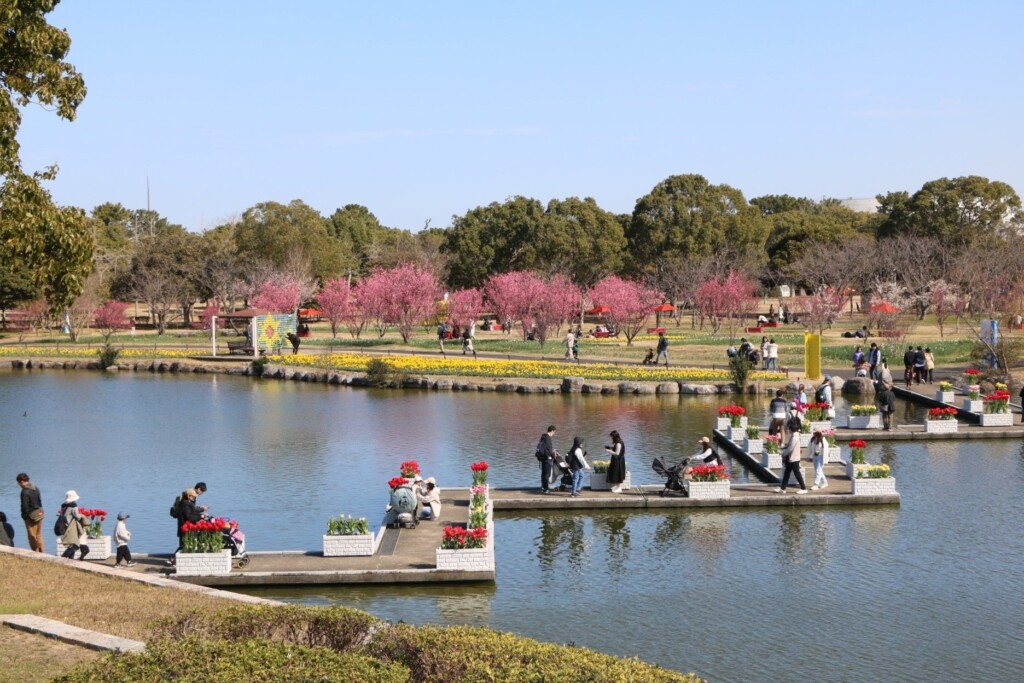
[{"x": 931, "y": 590}]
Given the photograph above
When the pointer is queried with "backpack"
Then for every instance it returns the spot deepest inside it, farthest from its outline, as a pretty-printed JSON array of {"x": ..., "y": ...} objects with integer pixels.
[
  {"x": 60, "y": 527},
  {"x": 542, "y": 452},
  {"x": 176, "y": 507},
  {"x": 819, "y": 395}
]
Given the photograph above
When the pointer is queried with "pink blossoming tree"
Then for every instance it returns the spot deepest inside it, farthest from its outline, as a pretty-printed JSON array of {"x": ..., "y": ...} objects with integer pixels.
[
  {"x": 109, "y": 318},
  {"x": 335, "y": 300},
  {"x": 280, "y": 295},
  {"x": 405, "y": 296},
  {"x": 629, "y": 302}
]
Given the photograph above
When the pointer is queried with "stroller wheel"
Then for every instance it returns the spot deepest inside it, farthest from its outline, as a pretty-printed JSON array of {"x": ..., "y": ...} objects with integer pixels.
[
  {"x": 242, "y": 561},
  {"x": 661, "y": 493}
]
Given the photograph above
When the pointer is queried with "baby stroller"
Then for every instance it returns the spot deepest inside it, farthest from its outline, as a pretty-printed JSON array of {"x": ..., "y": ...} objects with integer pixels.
[
  {"x": 673, "y": 475},
  {"x": 560, "y": 472},
  {"x": 234, "y": 540}
]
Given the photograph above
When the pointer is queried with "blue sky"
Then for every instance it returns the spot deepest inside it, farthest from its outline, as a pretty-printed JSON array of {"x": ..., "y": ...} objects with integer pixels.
[{"x": 422, "y": 110}]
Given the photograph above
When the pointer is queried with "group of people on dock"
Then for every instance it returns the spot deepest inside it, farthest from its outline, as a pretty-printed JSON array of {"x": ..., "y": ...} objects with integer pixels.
[{"x": 577, "y": 463}]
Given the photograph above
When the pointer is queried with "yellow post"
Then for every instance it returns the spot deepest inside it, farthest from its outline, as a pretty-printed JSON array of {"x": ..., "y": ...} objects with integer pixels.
[{"x": 812, "y": 355}]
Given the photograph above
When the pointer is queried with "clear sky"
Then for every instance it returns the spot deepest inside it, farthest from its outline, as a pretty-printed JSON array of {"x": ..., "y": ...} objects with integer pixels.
[{"x": 422, "y": 110}]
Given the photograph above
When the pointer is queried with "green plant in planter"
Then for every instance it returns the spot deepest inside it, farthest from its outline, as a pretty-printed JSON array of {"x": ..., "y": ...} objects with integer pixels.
[
  {"x": 477, "y": 519},
  {"x": 347, "y": 525},
  {"x": 600, "y": 466},
  {"x": 945, "y": 386},
  {"x": 753, "y": 433}
]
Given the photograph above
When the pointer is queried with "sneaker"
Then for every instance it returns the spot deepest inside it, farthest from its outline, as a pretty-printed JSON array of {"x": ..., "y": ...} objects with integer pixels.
[
  {"x": 814, "y": 488},
  {"x": 130, "y": 564},
  {"x": 616, "y": 489},
  {"x": 780, "y": 490},
  {"x": 117, "y": 565},
  {"x": 824, "y": 486},
  {"x": 801, "y": 491}
]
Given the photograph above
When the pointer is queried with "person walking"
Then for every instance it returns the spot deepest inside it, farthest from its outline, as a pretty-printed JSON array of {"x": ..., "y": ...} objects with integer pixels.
[
  {"x": 823, "y": 394},
  {"x": 32, "y": 513},
  {"x": 929, "y": 365},
  {"x": 908, "y": 365},
  {"x": 617, "y": 467},
  {"x": 791, "y": 456},
  {"x": 778, "y": 408},
  {"x": 121, "y": 538},
  {"x": 764, "y": 353},
  {"x": 75, "y": 536},
  {"x": 819, "y": 451},
  {"x": 662, "y": 349},
  {"x": 919, "y": 365},
  {"x": 577, "y": 465},
  {"x": 570, "y": 339},
  {"x": 546, "y": 456},
  {"x": 874, "y": 358}
]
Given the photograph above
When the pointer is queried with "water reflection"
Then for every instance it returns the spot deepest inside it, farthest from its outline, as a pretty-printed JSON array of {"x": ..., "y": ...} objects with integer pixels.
[
  {"x": 616, "y": 531},
  {"x": 708, "y": 534},
  {"x": 790, "y": 543},
  {"x": 561, "y": 538}
]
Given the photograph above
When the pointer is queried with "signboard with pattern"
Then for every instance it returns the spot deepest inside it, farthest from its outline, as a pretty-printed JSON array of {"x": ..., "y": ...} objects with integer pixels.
[{"x": 272, "y": 331}]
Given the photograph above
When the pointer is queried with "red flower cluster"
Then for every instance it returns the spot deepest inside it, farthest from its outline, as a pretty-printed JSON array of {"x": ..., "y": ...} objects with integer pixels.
[
  {"x": 732, "y": 411},
  {"x": 479, "y": 466},
  {"x": 972, "y": 372},
  {"x": 709, "y": 473},
  {"x": 456, "y": 537},
  {"x": 102, "y": 514},
  {"x": 409, "y": 469},
  {"x": 1000, "y": 395},
  {"x": 858, "y": 443},
  {"x": 212, "y": 525},
  {"x": 398, "y": 481},
  {"x": 942, "y": 413}
]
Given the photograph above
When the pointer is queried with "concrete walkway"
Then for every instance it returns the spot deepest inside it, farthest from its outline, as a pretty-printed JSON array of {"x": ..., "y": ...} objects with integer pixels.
[{"x": 72, "y": 635}]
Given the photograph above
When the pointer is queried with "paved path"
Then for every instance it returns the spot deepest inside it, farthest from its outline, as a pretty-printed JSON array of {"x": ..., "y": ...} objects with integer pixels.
[{"x": 73, "y": 635}]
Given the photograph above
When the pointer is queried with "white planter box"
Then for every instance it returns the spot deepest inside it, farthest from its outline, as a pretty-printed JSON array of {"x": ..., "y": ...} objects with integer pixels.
[
  {"x": 737, "y": 434},
  {"x": 874, "y": 487},
  {"x": 805, "y": 440},
  {"x": 99, "y": 548},
  {"x": 835, "y": 454},
  {"x": 866, "y": 421},
  {"x": 351, "y": 546},
  {"x": 466, "y": 559},
  {"x": 598, "y": 482},
  {"x": 851, "y": 469},
  {"x": 940, "y": 426},
  {"x": 974, "y": 405},
  {"x": 753, "y": 446},
  {"x": 202, "y": 564},
  {"x": 821, "y": 425},
  {"x": 944, "y": 396},
  {"x": 724, "y": 423},
  {"x": 772, "y": 461},
  {"x": 707, "y": 490},
  {"x": 997, "y": 419}
]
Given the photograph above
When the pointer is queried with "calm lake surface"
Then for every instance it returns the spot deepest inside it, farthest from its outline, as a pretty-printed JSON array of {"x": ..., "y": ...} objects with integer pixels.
[{"x": 932, "y": 590}]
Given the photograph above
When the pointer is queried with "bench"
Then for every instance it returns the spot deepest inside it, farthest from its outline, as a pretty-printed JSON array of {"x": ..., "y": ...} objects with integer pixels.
[
  {"x": 755, "y": 330},
  {"x": 891, "y": 334},
  {"x": 775, "y": 324},
  {"x": 241, "y": 346}
]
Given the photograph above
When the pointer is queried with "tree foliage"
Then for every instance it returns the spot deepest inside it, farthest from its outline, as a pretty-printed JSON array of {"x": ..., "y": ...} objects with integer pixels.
[
  {"x": 630, "y": 304},
  {"x": 277, "y": 233}
]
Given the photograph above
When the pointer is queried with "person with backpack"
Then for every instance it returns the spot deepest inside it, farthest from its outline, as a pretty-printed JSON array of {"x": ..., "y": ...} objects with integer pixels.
[
  {"x": 662, "y": 349},
  {"x": 546, "y": 455},
  {"x": 577, "y": 465},
  {"x": 185, "y": 509},
  {"x": 823, "y": 394},
  {"x": 72, "y": 527}
]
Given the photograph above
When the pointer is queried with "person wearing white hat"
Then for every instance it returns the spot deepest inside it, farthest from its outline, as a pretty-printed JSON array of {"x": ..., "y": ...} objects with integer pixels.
[
  {"x": 430, "y": 500},
  {"x": 75, "y": 535},
  {"x": 121, "y": 537}
]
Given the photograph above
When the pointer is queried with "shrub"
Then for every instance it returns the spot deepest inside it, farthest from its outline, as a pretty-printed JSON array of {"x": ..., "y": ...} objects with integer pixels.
[
  {"x": 739, "y": 370},
  {"x": 108, "y": 356},
  {"x": 259, "y": 365},
  {"x": 379, "y": 372},
  {"x": 192, "y": 660}
]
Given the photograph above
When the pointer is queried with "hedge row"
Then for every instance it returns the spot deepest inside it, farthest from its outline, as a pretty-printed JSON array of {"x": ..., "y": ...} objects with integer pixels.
[{"x": 292, "y": 643}]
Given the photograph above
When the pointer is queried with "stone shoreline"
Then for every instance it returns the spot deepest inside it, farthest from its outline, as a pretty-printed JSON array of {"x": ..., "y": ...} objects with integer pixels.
[{"x": 568, "y": 385}]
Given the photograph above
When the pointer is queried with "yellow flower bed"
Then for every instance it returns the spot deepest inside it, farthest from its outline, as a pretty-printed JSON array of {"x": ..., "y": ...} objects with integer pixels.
[
  {"x": 421, "y": 365},
  {"x": 79, "y": 352}
]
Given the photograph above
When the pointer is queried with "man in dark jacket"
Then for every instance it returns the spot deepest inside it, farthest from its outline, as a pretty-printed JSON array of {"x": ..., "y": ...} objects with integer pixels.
[
  {"x": 546, "y": 455},
  {"x": 32, "y": 507},
  {"x": 188, "y": 511}
]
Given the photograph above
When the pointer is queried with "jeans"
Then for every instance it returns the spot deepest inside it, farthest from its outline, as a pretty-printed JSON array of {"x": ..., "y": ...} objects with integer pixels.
[
  {"x": 773, "y": 364},
  {"x": 577, "y": 481},
  {"x": 819, "y": 471},
  {"x": 545, "y": 474},
  {"x": 660, "y": 354},
  {"x": 792, "y": 466}
]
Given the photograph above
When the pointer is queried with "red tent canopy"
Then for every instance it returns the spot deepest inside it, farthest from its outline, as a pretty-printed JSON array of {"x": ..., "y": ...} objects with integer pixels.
[
  {"x": 598, "y": 310},
  {"x": 883, "y": 307},
  {"x": 310, "y": 313},
  {"x": 663, "y": 308}
]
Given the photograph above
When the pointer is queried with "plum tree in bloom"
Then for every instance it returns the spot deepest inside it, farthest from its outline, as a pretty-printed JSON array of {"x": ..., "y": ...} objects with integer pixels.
[
  {"x": 823, "y": 308},
  {"x": 539, "y": 305},
  {"x": 404, "y": 296},
  {"x": 280, "y": 295},
  {"x": 629, "y": 303},
  {"x": 109, "y": 318},
  {"x": 726, "y": 301},
  {"x": 465, "y": 306},
  {"x": 335, "y": 300},
  {"x": 207, "y": 316}
]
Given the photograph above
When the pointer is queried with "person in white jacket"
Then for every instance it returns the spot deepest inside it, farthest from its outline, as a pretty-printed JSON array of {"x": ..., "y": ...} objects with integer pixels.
[
  {"x": 430, "y": 500},
  {"x": 791, "y": 456},
  {"x": 577, "y": 465},
  {"x": 121, "y": 538}
]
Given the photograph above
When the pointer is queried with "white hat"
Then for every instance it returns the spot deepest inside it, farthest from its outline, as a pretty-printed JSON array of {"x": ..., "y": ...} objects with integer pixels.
[
  {"x": 417, "y": 478},
  {"x": 431, "y": 480},
  {"x": 70, "y": 497}
]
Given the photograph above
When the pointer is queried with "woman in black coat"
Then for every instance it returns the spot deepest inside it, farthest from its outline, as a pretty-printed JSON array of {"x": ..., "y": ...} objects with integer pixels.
[{"x": 617, "y": 467}]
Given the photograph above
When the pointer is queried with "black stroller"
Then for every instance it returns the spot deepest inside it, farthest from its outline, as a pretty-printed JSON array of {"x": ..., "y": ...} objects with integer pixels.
[
  {"x": 673, "y": 475},
  {"x": 560, "y": 472}
]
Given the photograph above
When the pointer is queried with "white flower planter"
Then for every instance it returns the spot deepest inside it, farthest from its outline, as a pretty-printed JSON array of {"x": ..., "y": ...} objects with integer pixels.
[
  {"x": 99, "y": 548},
  {"x": 707, "y": 490},
  {"x": 202, "y": 564},
  {"x": 975, "y": 405},
  {"x": 997, "y": 419},
  {"x": 821, "y": 425},
  {"x": 356, "y": 545},
  {"x": 940, "y": 426},
  {"x": 805, "y": 440},
  {"x": 851, "y": 469},
  {"x": 724, "y": 423},
  {"x": 753, "y": 446},
  {"x": 599, "y": 482},
  {"x": 737, "y": 434},
  {"x": 772, "y": 461},
  {"x": 866, "y": 421},
  {"x": 466, "y": 559},
  {"x": 874, "y": 487},
  {"x": 834, "y": 454},
  {"x": 944, "y": 396}
]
